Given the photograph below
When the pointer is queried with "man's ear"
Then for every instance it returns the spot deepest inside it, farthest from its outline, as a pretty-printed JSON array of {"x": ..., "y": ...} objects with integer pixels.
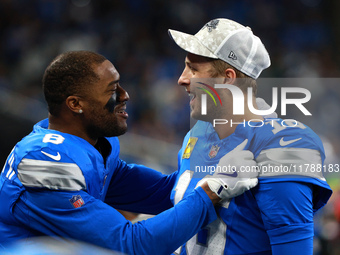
[
  {"x": 74, "y": 104},
  {"x": 230, "y": 76}
]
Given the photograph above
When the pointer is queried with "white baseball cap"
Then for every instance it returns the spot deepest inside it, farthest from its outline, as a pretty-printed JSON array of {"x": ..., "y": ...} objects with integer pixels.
[{"x": 229, "y": 41}]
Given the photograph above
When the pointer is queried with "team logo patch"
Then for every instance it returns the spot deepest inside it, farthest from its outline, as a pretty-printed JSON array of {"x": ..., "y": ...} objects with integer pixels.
[
  {"x": 213, "y": 151},
  {"x": 190, "y": 147},
  {"x": 77, "y": 201},
  {"x": 212, "y": 25}
]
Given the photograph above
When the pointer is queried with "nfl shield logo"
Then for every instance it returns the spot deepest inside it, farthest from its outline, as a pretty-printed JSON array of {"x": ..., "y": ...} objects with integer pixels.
[
  {"x": 213, "y": 151},
  {"x": 77, "y": 201}
]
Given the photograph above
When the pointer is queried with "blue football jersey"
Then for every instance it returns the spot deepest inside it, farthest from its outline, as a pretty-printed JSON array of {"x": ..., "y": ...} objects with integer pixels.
[
  {"x": 279, "y": 210},
  {"x": 59, "y": 185}
]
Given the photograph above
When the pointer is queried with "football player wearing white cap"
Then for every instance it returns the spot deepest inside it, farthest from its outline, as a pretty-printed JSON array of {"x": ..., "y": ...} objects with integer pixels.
[{"x": 275, "y": 217}]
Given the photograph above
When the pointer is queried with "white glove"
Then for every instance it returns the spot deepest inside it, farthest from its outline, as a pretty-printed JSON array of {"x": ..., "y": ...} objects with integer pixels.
[
  {"x": 229, "y": 184},
  {"x": 262, "y": 105}
]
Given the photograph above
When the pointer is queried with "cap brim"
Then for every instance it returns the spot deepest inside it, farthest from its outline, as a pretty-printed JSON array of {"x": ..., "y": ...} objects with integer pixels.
[{"x": 190, "y": 44}]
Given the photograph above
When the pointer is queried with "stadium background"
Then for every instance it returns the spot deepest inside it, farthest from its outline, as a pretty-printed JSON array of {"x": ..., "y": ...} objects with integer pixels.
[{"x": 302, "y": 37}]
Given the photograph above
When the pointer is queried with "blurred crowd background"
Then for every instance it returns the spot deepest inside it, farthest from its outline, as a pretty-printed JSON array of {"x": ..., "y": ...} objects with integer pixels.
[{"x": 301, "y": 36}]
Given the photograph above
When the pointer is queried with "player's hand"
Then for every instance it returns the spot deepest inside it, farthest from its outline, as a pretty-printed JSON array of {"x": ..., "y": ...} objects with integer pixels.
[{"x": 228, "y": 180}]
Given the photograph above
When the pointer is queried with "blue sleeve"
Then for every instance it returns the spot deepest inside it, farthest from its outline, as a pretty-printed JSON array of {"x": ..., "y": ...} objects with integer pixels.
[
  {"x": 287, "y": 213},
  {"x": 303, "y": 247},
  {"x": 51, "y": 213},
  {"x": 137, "y": 188}
]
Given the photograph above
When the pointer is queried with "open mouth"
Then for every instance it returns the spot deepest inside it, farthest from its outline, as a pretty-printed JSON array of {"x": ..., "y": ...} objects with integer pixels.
[
  {"x": 121, "y": 112},
  {"x": 191, "y": 96}
]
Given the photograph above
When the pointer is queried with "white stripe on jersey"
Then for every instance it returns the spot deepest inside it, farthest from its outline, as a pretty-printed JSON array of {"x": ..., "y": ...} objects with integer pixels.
[
  {"x": 10, "y": 172},
  {"x": 51, "y": 175},
  {"x": 290, "y": 161}
]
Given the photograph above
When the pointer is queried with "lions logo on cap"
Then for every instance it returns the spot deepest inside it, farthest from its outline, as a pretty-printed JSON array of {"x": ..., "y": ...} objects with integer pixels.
[{"x": 212, "y": 25}]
